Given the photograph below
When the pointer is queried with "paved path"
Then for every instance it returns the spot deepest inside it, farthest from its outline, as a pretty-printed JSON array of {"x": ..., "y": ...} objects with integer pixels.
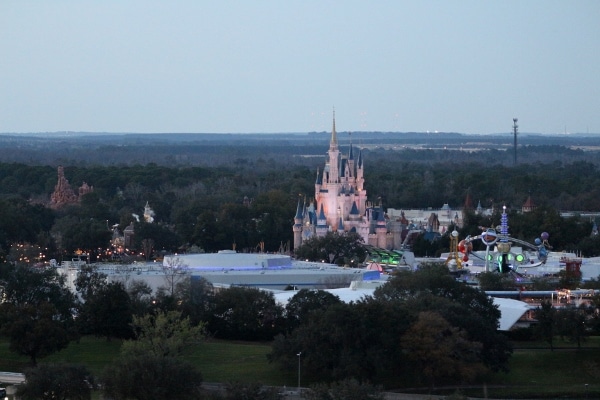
[
  {"x": 11, "y": 377},
  {"x": 293, "y": 395}
]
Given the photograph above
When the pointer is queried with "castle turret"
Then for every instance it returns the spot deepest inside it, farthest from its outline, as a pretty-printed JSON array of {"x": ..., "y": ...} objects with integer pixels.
[
  {"x": 334, "y": 156},
  {"x": 360, "y": 172},
  {"x": 381, "y": 229},
  {"x": 297, "y": 228},
  {"x": 322, "y": 227},
  {"x": 318, "y": 182}
]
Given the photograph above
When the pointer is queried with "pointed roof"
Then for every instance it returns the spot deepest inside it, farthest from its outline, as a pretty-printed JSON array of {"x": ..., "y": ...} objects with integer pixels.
[
  {"x": 322, "y": 213},
  {"x": 322, "y": 220},
  {"x": 343, "y": 166},
  {"x": 333, "y": 132},
  {"x": 468, "y": 202},
  {"x": 299, "y": 209},
  {"x": 360, "y": 159},
  {"x": 319, "y": 180},
  {"x": 380, "y": 217},
  {"x": 529, "y": 203},
  {"x": 354, "y": 209},
  {"x": 341, "y": 225}
]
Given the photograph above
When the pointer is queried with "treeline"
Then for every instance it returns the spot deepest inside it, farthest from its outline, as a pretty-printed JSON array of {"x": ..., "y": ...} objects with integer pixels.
[
  {"x": 251, "y": 202},
  {"x": 184, "y": 150}
]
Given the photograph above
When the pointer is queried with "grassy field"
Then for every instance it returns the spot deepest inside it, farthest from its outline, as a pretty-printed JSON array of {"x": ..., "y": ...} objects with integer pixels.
[
  {"x": 538, "y": 372},
  {"x": 535, "y": 371}
]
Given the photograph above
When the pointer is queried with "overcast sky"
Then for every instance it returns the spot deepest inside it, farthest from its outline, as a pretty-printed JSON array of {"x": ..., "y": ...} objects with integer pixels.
[{"x": 283, "y": 65}]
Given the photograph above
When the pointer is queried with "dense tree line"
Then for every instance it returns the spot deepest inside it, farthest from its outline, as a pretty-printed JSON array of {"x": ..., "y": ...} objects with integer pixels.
[
  {"x": 205, "y": 206},
  {"x": 221, "y": 149}
]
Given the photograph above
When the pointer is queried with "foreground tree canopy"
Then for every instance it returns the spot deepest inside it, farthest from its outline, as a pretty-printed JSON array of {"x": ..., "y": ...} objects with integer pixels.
[
  {"x": 387, "y": 336},
  {"x": 36, "y": 312},
  {"x": 57, "y": 382}
]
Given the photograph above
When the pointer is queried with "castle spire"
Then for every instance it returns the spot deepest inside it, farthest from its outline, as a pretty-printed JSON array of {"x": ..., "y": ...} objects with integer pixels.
[{"x": 333, "y": 132}]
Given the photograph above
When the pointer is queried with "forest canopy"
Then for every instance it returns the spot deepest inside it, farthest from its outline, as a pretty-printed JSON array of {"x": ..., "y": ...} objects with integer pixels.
[{"x": 244, "y": 196}]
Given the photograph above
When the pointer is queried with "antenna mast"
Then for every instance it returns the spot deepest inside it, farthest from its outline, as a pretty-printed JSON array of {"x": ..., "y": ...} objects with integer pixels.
[{"x": 515, "y": 130}]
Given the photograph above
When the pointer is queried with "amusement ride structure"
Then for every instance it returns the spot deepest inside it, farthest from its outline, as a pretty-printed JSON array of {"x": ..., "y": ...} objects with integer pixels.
[{"x": 503, "y": 255}]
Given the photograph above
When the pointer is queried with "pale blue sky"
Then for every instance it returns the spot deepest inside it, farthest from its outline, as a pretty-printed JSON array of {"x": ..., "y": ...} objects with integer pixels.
[{"x": 282, "y": 65}]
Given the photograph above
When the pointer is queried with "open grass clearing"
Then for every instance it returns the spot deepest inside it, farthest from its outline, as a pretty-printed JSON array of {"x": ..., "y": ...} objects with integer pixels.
[{"x": 535, "y": 371}]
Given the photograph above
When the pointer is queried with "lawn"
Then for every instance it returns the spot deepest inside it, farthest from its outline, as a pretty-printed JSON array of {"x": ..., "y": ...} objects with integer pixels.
[
  {"x": 219, "y": 361},
  {"x": 535, "y": 371}
]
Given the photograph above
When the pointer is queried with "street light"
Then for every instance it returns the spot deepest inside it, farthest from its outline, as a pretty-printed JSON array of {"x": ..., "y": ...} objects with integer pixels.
[{"x": 299, "y": 354}]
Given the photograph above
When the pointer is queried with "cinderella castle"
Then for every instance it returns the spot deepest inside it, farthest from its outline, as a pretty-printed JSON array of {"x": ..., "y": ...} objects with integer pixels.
[{"x": 340, "y": 204}]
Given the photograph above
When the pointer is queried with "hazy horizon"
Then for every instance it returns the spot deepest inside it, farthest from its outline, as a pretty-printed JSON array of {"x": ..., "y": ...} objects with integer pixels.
[{"x": 268, "y": 66}]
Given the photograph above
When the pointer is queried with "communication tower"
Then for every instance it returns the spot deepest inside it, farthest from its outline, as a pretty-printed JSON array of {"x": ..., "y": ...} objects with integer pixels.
[{"x": 515, "y": 130}]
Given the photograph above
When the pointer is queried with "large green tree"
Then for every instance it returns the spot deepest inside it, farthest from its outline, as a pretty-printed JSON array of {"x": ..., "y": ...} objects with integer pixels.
[
  {"x": 242, "y": 313},
  {"x": 151, "y": 377},
  {"x": 431, "y": 287},
  {"x": 162, "y": 334},
  {"x": 150, "y": 365},
  {"x": 338, "y": 248},
  {"x": 358, "y": 340},
  {"x": 57, "y": 382},
  {"x": 440, "y": 351},
  {"x": 363, "y": 339},
  {"x": 22, "y": 222},
  {"x": 545, "y": 329},
  {"x": 36, "y": 313},
  {"x": 108, "y": 312},
  {"x": 105, "y": 309},
  {"x": 571, "y": 323},
  {"x": 305, "y": 302}
]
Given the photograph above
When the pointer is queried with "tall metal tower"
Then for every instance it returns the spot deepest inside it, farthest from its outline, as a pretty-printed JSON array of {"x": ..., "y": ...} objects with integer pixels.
[{"x": 515, "y": 130}]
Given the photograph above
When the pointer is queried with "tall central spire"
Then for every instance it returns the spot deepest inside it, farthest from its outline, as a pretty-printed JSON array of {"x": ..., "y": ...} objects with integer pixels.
[{"x": 333, "y": 132}]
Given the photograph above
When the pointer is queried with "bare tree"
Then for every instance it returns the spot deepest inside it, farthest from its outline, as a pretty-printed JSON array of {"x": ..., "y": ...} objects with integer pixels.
[
  {"x": 148, "y": 247},
  {"x": 175, "y": 272}
]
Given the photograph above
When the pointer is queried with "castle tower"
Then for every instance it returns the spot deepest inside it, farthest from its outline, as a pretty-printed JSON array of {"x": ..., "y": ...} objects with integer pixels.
[
  {"x": 298, "y": 219},
  {"x": 340, "y": 199},
  {"x": 381, "y": 230}
]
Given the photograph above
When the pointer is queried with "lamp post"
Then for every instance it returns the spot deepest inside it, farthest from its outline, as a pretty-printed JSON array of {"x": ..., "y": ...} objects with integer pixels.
[{"x": 299, "y": 354}]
